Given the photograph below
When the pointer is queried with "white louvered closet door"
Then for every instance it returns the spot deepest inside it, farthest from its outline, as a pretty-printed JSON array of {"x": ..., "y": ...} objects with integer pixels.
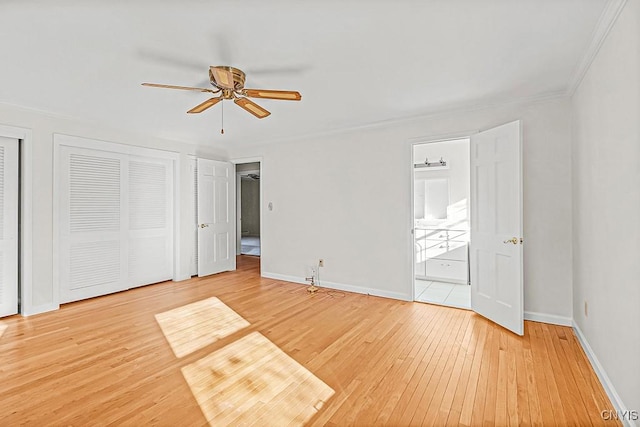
[
  {"x": 92, "y": 257},
  {"x": 193, "y": 170},
  {"x": 8, "y": 226},
  {"x": 115, "y": 221},
  {"x": 150, "y": 193}
]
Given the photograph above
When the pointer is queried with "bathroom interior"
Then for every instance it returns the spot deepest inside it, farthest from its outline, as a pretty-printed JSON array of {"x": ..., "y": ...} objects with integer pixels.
[{"x": 441, "y": 222}]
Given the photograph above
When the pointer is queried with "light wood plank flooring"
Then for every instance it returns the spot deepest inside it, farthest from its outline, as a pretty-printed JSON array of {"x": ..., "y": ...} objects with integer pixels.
[{"x": 106, "y": 361}]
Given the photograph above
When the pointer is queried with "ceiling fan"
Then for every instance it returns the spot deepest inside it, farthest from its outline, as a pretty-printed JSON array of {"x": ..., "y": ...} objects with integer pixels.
[{"x": 229, "y": 83}]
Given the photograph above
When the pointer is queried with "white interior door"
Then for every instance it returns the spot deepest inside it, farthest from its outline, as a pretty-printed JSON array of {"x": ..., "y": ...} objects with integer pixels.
[
  {"x": 216, "y": 217},
  {"x": 8, "y": 226},
  {"x": 496, "y": 260}
]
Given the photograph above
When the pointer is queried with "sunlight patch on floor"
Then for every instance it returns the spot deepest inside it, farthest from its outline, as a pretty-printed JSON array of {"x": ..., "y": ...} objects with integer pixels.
[
  {"x": 197, "y": 325},
  {"x": 3, "y": 328},
  {"x": 252, "y": 381}
]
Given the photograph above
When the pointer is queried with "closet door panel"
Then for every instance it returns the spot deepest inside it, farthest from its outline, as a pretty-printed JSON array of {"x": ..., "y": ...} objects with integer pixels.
[
  {"x": 193, "y": 171},
  {"x": 150, "y": 194},
  {"x": 90, "y": 224}
]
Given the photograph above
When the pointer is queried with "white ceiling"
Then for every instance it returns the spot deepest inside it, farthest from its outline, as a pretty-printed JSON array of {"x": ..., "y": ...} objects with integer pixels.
[{"x": 355, "y": 62}]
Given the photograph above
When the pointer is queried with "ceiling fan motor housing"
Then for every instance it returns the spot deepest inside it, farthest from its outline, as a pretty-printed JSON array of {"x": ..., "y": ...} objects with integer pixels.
[{"x": 238, "y": 77}]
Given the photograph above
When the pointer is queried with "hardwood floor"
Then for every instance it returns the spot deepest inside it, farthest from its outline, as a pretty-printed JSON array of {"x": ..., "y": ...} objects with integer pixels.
[{"x": 106, "y": 360}]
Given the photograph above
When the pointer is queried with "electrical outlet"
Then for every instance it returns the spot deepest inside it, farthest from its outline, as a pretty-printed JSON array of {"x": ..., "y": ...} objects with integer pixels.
[
  {"x": 321, "y": 263},
  {"x": 586, "y": 311}
]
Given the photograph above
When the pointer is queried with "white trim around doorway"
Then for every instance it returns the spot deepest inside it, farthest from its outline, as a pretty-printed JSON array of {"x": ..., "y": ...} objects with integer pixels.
[{"x": 25, "y": 272}]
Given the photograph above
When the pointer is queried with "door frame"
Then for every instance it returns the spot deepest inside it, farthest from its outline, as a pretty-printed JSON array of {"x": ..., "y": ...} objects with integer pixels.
[
  {"x": 240, "y": 161},
  {"x": 25, "y": 218},
  {"x": 410, "y": 176},
  {"x": 410, "y": 148},
  {"x": 60, "y": 140}
]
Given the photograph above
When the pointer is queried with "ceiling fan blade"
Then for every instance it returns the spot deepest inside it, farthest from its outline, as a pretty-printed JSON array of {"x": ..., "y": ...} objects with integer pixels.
[
  {"x": 222, "y": 77},
  {"x": 206, "y": 104},
  {"x": 252, "y": 107},
  {"x": 199, "y": 89},
  {"x": 288, "y": 95}
]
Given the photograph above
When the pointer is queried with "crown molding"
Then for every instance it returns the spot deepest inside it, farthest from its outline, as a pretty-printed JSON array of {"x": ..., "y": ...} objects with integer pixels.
[
  {"x": 465, "y": 107},
  {"x": 605, "y": 23}
]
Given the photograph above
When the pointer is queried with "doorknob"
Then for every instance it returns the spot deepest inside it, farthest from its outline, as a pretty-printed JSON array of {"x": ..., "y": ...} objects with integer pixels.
[
  {"x": 204, "y": 225},
  {"x": 514, "y": 241}
]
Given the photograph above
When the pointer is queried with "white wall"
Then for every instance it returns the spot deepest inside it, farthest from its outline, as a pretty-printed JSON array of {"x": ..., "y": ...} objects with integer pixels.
[
  {"x": 346, "y": 198},
  {"x": 606, "y": 205},
  {"x": 43, "y": 296}
]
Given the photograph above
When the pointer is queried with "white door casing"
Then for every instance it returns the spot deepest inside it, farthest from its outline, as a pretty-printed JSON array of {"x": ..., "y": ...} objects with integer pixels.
[
  {"x": 216, "y": 217},
  {"x": 8, "y": 226},
  {"x": 496, "y": 250}
]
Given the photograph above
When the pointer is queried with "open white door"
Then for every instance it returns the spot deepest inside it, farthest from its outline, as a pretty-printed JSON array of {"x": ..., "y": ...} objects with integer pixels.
[
  {"x": 216, "y": 217},
  {"x": 8, "y": 226},
  {"x": 496, "y": 260}
]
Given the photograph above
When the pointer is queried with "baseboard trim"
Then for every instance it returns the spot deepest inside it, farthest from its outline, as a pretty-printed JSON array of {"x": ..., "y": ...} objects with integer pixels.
[
  {"x": 341, "y": 287},
  {"x": 38, "y": 309},
  {"x": 548, "y": 318},
  {"x": 528, "y": 315},
  {"x": 602, "y": 376}
]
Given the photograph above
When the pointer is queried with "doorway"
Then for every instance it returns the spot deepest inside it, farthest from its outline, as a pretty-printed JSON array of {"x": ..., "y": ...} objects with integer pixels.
[
  {"x": 248, "y": 192},
  {"x": 441, "y": 213},
  {"x": 483, "y": 229}
]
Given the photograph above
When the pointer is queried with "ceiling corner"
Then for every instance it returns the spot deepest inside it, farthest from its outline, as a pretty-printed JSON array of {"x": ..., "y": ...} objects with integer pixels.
[{"x": 606, "y": 21}]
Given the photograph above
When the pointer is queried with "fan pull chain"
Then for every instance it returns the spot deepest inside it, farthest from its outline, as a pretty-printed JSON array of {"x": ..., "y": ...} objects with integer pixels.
[{"x": 222, "y": 125}]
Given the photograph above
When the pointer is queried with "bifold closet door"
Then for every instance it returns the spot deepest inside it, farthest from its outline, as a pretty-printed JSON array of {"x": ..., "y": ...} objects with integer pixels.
[
  {"x": 8, "y": 226},
  {"x": 115, "y": 222}
]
